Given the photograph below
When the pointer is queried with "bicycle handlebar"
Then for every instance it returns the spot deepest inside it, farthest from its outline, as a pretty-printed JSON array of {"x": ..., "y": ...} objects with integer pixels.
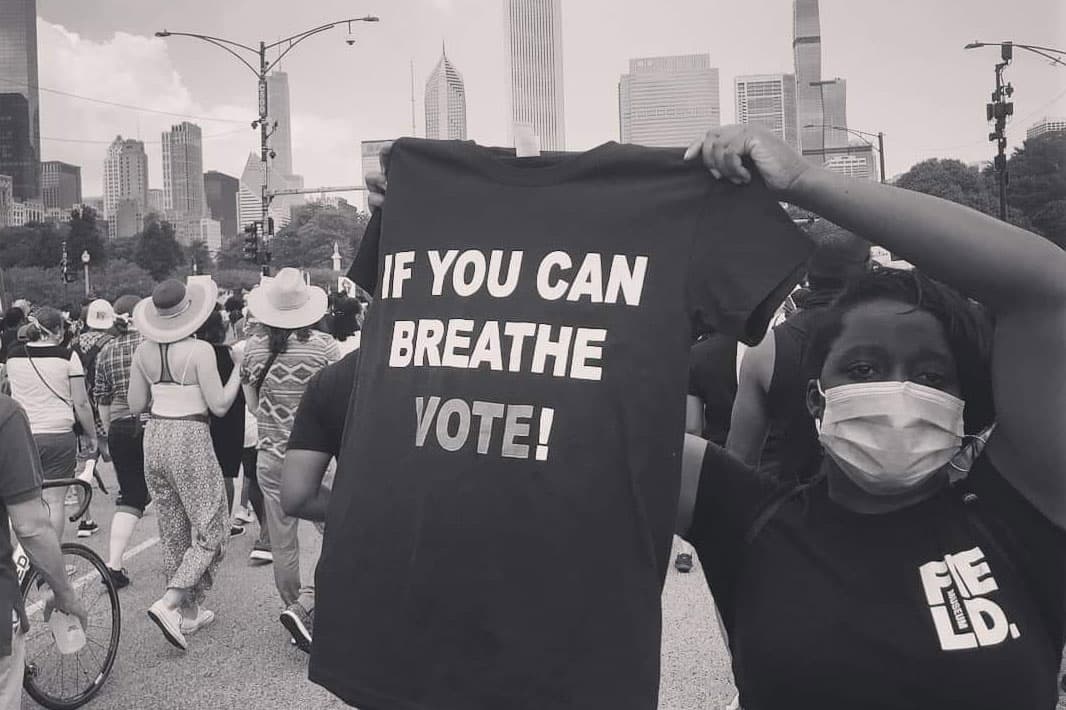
[{"x": 85, "y": 486}]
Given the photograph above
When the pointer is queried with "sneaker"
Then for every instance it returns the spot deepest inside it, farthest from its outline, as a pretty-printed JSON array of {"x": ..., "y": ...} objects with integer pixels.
[
  {"x": 203, "y": 618},
  {"x": 300, "y": 624},
  {"x": 244, "y": 515},
  {"x": 169, "y": 622},
  {"x": 71, "y": 570},
  {"x": 683, "y": 563},
  {"x": 119, "y": 577},
  {"x": 72, "y": 498},
  {"x": 261, "y": 553},
  {"x": 236, "y": 530},
  {"x": 87, "y": 527}
]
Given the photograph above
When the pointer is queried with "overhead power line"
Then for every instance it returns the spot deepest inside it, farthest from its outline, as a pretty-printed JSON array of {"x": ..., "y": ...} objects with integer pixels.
[
  {"x": 142, "y": 109},
  {"x": 109, "y": 142}
]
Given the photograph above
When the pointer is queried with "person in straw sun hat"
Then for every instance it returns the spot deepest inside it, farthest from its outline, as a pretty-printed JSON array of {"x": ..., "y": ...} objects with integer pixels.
[
  {"x": 279, "y": 361},
  {"x": 178, "y": 376}
]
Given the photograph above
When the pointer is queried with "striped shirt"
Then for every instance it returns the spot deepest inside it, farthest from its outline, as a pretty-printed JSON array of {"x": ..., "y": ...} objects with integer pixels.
[{"x": 279, "y": 397}]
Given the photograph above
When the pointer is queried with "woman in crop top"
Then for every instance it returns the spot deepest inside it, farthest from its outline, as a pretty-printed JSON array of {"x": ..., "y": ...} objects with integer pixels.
[{"x": 176, "y": 378}]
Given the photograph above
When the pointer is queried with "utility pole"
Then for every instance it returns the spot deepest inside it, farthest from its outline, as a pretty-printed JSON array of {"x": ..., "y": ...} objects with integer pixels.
[
  {"x": 881, "y": 154},
  {"x": 264, "y": 151},
  {"x": 998, "y": 111},
  {"x": 413, "y": 132}
]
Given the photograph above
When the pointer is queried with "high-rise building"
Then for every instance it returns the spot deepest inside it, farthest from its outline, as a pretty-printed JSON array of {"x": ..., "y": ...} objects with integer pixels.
[
  {"x": 20, "y": 121},
  {"x": 807, "y": 53},
  {"x": 125, "y": 177},
  {"x": 854, "y": 160},
  {"x": 445, "y": 101},
  {"x": 279, "y": 109},
  {"x": 221, "y": 191},
  {"x": 668, "y": 101},
  {"x": 535, "y": 69},
  {"x": 183, "y": 172},
  {"x": 369, "y": 156},
  {"x": 833, "y": 95},
  {"x": 7, "y": 200},
  {"x": 60, "y": 185},
  {"x": 156, "y": 201},
  {"x": 1046, "y": 125},
  {"x": 249, "y": 195},
  {"x": 768, "y": 100}
]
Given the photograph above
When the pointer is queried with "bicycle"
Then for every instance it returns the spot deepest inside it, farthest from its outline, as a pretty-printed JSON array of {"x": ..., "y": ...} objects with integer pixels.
[{"x": 54, "y": 680}]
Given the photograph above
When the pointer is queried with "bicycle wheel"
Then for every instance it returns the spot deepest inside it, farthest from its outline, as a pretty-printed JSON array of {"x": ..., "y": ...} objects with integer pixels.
[{"x": 62, "y": 682}]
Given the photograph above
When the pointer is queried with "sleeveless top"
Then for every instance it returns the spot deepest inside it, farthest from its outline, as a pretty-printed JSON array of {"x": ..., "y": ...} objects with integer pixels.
[{"x": 170, "y": 398}]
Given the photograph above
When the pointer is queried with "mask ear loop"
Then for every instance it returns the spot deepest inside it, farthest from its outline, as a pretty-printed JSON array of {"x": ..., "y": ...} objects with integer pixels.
[{"x": 973, "y": 445}]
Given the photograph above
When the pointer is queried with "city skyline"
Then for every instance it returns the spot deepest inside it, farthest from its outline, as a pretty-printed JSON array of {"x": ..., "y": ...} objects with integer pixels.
[
  {"x": 345, "y": 104},
  {"x": 768, "y": 100},
  {"x": 20, "y": 125}
]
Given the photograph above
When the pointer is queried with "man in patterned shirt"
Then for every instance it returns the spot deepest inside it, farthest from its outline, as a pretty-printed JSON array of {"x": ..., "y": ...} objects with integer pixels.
[
  {"x": 283, "y": 353},
  {"x": 124, "y": 432}
]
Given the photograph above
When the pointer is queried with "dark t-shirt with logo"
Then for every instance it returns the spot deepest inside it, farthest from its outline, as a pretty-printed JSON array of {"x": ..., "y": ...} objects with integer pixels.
[
  {"x": 958, "y": 601},
  {"x": 500, "y": 526}
]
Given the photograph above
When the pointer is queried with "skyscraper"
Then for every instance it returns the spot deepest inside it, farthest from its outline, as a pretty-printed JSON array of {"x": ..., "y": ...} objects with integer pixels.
[
  {"x": 220, "y": 191},
  {"x": 183, "y": 172},
  {"x": 60, "y": 185},
  {"x": 535, "y": 69},
  {"x": 20, "y": 122},
  {"x": 668, "y": 101},
  {"x": 125, "y": 178},
  {"x": 249, "y": 195},
  {"x": 768, "y": 100},
  {"x": 445, "y": 101},
  {"x": 807, "y": 53},
  {"x": 833, "y": 95},
  {"x": 279, "y": 110}
]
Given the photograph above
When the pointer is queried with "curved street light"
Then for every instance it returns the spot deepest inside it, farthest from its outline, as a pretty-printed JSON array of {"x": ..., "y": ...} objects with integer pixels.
[
  {"x": 880, "y": 147},
  {"x": 265, "y": 130}
]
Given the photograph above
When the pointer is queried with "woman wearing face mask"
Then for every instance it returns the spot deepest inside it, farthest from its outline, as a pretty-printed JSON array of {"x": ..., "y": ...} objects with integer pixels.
[{"x": 916, "y": 570}]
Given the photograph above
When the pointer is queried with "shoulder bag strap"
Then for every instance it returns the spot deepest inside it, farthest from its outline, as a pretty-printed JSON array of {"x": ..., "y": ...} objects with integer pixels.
[{"x": 45, "y": 382}]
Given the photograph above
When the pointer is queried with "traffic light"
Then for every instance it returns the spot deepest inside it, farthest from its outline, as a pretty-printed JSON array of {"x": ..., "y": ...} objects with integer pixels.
[{"x": 250, "y": 249}]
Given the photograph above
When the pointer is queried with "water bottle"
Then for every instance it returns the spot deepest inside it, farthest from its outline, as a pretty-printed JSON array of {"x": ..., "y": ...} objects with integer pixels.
[{"x": 67, "y": 631}]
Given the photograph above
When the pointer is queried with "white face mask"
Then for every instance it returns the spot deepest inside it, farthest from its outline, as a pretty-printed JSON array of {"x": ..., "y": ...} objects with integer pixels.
[{"x": 888, "y": 437}]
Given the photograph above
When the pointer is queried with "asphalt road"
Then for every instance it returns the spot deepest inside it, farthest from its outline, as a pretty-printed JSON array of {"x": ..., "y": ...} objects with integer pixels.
[{"x": 244, "y": 659}]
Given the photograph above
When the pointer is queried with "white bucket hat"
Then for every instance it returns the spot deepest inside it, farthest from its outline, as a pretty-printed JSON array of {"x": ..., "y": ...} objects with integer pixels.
[
  {"x": 175, "y": 310},
  {"x": 101, "y": 315},
  {"x": 286, "y": 301}
]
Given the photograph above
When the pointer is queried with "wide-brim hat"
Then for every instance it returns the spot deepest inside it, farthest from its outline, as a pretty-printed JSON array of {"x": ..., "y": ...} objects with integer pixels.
[
  {"x": 286, "y": 301},
  {"x": 175, "y": 310}
]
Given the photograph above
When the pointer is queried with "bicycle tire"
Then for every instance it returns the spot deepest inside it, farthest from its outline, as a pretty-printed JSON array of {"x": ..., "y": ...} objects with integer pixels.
[{"x": 33, "y": 675}]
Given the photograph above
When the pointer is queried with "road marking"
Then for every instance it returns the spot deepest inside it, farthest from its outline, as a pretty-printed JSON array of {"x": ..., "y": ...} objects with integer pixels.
[{"x": 94, "y": 575}]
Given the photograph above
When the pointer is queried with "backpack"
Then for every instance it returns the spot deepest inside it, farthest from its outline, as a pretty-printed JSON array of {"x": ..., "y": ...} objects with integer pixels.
[{"x": 88, "y": 361}]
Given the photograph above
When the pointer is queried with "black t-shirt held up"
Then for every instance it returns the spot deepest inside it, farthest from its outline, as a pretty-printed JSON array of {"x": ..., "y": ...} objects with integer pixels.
[
  {"x": 521, "y": 400},
  {"x": 956, "y": 602}
]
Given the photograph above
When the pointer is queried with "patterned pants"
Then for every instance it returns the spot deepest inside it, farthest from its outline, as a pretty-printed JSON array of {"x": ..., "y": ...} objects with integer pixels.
[{"x": 185, "y": 481}]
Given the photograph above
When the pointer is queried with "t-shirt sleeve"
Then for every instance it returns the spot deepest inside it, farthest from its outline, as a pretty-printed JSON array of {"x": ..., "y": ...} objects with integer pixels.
[
  {"x": 319, "y": 422},
  {"x": 730, "y": 496},
  {"x": 1035, "y": 544},
  {"x": 76, "y": 369},
  {"x": 20, "y": 465},
  {"x": 746, "y": 257},
  {"x": 364, "y": 269}
]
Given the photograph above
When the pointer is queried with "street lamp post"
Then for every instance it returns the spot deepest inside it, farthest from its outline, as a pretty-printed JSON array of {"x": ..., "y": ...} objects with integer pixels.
[
  {"x": 262, "y": 123},
  {"x": 85, "y": 258},
  {"x": 880, "y": 136},
  {"x": 1000, "y": 109}
]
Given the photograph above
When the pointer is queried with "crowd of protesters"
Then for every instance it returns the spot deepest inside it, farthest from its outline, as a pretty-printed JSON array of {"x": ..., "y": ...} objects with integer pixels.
[{"x": 882, "y": 413}]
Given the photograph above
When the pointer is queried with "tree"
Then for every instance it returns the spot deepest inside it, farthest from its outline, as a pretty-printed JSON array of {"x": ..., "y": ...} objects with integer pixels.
[
  {"x": 157, "y": 251},
  {"x": 307, "y": 241},
  {"x": 1037, "y": 186},
  {"x": 198, "y": 253},
  {"x": 84, "y": 234},
  {"x": 34, "y": 244},
  {"x": 955, "y": 181},
  {"x": 40, "y": 286},
  {"x": 119, "y": 278}
]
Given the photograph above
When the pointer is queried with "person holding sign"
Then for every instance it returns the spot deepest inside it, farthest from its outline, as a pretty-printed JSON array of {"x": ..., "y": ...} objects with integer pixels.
[
  {"x": 920, "y": 567},
  {"x": 522, "y": 382}
]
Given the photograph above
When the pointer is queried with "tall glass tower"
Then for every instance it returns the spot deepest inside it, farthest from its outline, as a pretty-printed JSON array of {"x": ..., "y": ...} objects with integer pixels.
[
  {"x": 445, "y": 102},
  {"x": 807, "y": 52},
  {"x": 20, "y": 122},
  {"x": 535, "y": 69}
]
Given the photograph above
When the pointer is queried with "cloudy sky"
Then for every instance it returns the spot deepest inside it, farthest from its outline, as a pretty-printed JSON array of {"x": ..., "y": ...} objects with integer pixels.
[{"x": 906, "y": 70}]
